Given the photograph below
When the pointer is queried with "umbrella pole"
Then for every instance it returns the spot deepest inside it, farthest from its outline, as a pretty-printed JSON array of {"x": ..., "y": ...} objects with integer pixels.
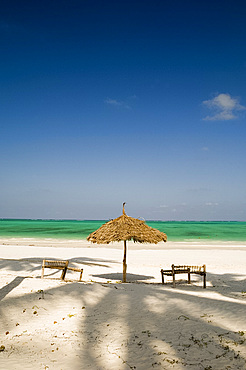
[{"x": 124, "y": 263}]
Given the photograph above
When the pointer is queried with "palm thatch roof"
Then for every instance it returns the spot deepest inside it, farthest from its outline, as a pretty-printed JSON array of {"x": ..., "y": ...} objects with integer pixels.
[{"x": 126, "y": 228}]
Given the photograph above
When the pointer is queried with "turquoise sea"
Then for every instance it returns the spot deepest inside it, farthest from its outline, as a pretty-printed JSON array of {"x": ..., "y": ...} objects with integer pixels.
[{"x": 71, "y": 229}]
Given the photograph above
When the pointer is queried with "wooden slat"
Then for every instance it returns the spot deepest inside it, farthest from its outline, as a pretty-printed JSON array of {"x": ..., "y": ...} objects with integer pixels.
[{"x": 78, "y": 270}]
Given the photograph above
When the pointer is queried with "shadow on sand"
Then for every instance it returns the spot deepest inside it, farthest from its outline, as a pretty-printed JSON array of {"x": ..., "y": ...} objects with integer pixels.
[
  {"x": 129, "y": 277},
  {"x": 10, "y": 286},
  {"x": 140, "y": 326}
]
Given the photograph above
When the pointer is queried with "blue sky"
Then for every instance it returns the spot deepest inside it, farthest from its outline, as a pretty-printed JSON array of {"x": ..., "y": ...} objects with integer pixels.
[{"x": 103, "y": 102}]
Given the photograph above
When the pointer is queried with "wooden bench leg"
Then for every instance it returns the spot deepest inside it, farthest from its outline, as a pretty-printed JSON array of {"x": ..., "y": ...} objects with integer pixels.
[
  {"x": 173, "y": 274},
  {"x": 42, "y": 272},
  {"x": 162, "y": 277},
  {"x": 204, "y": 277},
  {"x": 188, "y": 276},
  {"x": 174, "y": 283},
  {"x": 64, "y": 271}
]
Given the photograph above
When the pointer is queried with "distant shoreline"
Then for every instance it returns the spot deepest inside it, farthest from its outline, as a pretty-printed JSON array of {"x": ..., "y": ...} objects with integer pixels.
[{"x": 83, "y": 243}]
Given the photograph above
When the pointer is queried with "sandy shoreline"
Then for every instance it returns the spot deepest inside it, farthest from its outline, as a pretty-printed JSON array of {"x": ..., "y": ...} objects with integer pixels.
[
  {"x": 100, "y": 323},
  {"x": 81, "y": 243}
]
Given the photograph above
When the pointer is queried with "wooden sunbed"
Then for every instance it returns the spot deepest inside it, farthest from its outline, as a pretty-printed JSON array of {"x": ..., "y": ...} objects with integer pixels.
[
  {"x": 59, "y": 265},
  {"x": 179, "y": 269}
]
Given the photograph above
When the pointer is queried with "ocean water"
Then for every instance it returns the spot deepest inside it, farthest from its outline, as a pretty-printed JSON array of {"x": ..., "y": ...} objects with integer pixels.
[{"x": 71, "y": 229}]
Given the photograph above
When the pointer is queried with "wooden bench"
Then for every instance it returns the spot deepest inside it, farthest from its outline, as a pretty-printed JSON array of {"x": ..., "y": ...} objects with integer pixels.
[
  {"x": 59, "y": 265},
  {"x": 198, "y": 270}
]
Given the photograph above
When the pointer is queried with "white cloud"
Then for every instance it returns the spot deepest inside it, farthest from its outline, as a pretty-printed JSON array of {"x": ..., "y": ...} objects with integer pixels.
[
  {"x": 113, "y": 102},
  {"x": 211, "y": 204},
  {"x": 116, "y": 103},
  {"x": 223, "y": 107}
]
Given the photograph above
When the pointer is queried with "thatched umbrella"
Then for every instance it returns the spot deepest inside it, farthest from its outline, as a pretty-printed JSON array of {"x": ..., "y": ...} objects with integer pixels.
[{"x": 126, "y": 228}]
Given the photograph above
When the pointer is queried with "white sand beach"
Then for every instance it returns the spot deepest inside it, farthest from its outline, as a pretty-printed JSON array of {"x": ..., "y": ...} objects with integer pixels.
[{"x": 100, "y": 323}]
